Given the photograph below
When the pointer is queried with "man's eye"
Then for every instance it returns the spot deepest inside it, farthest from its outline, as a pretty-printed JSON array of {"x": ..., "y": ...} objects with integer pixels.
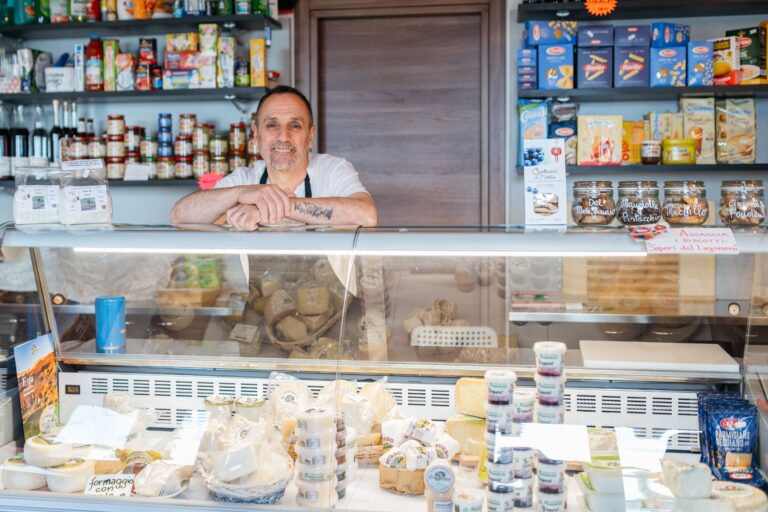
[
  {"x": 271, "y": 125},
  {"x": 295, "y": 126}
]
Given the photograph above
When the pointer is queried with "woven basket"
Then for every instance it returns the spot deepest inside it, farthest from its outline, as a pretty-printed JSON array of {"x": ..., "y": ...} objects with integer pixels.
[
  {"x": 339, "y": 307},
  {"x": 269, "y": 494},
  {"x": 402, "y": 481},
  {"x": 369, "y": 454}
]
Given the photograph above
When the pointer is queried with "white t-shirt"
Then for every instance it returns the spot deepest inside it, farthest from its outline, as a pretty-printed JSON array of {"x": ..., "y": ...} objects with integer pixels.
[{"x": 329, "y": 176}]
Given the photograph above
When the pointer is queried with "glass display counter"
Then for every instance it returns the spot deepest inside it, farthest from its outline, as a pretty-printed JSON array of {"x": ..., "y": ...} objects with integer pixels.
[{"x": 379, "y": 324}]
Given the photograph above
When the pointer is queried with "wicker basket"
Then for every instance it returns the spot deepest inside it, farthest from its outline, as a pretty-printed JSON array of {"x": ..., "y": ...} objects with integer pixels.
[
  {"x": 267, "y": 494},
  {"x": 401, "y": 481},
  {"x": 339, "y": 307}
]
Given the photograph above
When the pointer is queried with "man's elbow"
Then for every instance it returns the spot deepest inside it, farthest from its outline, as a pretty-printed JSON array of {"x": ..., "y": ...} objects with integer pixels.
[
  {"x": 176, "y": 215},
  {"x": 370, "y": 217}
]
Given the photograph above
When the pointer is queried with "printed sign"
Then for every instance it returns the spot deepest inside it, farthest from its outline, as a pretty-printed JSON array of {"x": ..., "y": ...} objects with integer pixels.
[
  {"x": 694, "y": 241},
  {"x": 38, "y": 390},
  {"x": 545, "y": 185}
]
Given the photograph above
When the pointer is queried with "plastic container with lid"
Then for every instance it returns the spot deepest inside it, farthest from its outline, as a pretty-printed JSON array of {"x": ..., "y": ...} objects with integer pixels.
[
  {"x": 638, "y": 203},
  {"x": 499, "y": 419},
  {"x": 742, "y": 203},
  {"x": 685, "y": 203},
  {"x": 593, "y": 202},
  {"x": 678, "y": 151},
  {"x": 501, "y": 386},
  {"x": 551, "y": 389},
  {"x": 550, "y": 357}
]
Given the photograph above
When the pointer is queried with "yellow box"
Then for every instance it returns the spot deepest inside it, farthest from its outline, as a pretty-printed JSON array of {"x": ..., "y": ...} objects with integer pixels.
[
  {"x": 631, "y": 141},
  {"x": 258, "y": 63},
  {"x": 599, "y": 140},
  {"x": 665, "y": 125}
]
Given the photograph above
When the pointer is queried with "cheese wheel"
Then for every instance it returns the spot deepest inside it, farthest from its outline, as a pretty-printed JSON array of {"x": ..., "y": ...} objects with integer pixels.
[
  {"x": 313, "y": 301},
  {"x": 314, "y": 322},
  {"x": 236, "y": 462},
  {"x": 17, "y": 475},
  {"x": 42, "y": 453},
  {"x": 268, "y": 284},
  {"x": 292, "y": 329},
  {"x": 743, "y": 497},
  {"x": 279, "y": 305},
  {"x": 289, "y": 398},
  {"x": 70, "y": 477}
]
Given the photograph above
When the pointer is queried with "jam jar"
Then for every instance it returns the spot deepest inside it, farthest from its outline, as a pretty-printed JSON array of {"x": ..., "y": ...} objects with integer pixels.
[
  {"x": 219, "y": 146},
  {"x": 685, "y": 203},
  {"x": 187, "y": 124},
  {"x": 219, "y": 166},
  {"x": 148, "y": 147},
  {"x": 742, "y": 203},
  {"x": 183, "y": 167},
  {"x": 238, "y": 138},
  {"x": 166, "y": 168},
  {"x": 200, "y": 138},
  {"x": 115, "y": 124},
  {"x": 200, "y": 163},
  {"x": 133, "y": 136},
  {"x": 593, "y": 202},
  {"x": 237, "y": 160},
  {"x": 638, "y": 203}
]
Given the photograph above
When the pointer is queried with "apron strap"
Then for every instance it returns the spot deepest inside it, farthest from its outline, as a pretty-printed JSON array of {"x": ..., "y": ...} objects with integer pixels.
[{"x": 307, "y": 185}]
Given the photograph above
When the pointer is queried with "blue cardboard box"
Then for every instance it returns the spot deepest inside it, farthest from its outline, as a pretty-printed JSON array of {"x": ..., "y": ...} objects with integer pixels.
[
  {"x": 631, "y": 66},
  {"x": 550, "y": 32},
  {"x": 526, "y": 57},
  {"x": 595, "y": 35},
  {"x": 526, "y": 77},
  {"x": 700, "y": 63},
  {"x": 668, "y": 67},
  {"x": 670, "y": 35},
  {"x": 594, "y": 68},
  {"x": 632, "y": 35},
  {"x": 526, "y": 70},
  {"x": 556, "y": 66},
  {"x": 525, "y": 86}
]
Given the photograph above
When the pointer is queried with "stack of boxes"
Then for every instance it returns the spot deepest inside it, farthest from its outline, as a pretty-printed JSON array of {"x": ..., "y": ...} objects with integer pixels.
[
  {"x": 669, "y": 49},
  {"x": 527, "y": 76},
  {"x": 631, "y": 54},
  {"x": 594, "y": 57},
  {"x": 554, "y": 42}
]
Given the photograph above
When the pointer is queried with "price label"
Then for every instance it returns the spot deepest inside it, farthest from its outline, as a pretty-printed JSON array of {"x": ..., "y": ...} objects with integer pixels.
[
  {"x": 243, "y": 333},
  {"x": 110, "y": 485},
  {"x": 136, "y": 172}
]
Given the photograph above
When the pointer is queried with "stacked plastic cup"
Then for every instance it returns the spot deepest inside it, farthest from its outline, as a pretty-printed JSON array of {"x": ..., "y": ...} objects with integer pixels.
[
  {"x": 500, "y": 428},
  {"x": 316, "y": 462}
]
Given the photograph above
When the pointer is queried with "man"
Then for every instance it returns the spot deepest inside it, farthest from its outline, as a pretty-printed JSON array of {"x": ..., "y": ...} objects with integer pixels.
[{"x": 289, "y": 183}]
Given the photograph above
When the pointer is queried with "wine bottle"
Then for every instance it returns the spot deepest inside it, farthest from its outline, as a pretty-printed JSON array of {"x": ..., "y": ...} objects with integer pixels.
[
  {"x": 57, "y": 134},
  {"x": 19, "y": 135},
  {"x": 41, "y": 151}
]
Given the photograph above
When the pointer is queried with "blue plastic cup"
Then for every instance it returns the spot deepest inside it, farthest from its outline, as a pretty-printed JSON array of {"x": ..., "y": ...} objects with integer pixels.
[{"x": 110, "y": 324}]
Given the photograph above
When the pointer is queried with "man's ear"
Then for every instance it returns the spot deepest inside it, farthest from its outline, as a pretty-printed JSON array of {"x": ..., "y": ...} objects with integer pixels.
[{"x": 312, "y": 130}]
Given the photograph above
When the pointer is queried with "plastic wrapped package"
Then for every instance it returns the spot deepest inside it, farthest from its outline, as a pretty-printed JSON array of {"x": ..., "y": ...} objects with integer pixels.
[
  {"x": 736, "y": 133},
  {"x": 36, "y": 199},
  {"x": 84, "y": 196}
]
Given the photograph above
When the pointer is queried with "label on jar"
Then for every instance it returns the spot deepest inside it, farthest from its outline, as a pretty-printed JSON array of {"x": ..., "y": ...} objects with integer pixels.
[
  {"x": 679, "y": 155},
  {"x": 37, "y": 198},
  {"x": 751, "y": 211},
  {"x": 634, "y": 212}
]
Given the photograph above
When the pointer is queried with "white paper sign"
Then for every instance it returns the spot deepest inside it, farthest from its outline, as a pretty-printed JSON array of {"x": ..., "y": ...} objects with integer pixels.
[
  {"x": 110, "y": 485},
  {"x": 694, "y": 241},
  {"x": 37, "y": 198},
  {"x": 76, "y": 165},
  {"x": 136, "y": 172},
  {"x": 243, "y": 333},
  {"x": 545, "y": 183}
]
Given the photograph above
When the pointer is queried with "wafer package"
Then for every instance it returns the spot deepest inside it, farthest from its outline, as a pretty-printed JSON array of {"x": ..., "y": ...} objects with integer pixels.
[{"x": 533, "y": 116}]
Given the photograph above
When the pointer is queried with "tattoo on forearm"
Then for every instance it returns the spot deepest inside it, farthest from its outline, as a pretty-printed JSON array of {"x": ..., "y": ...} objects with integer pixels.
[{"x": 313, "y": 210}]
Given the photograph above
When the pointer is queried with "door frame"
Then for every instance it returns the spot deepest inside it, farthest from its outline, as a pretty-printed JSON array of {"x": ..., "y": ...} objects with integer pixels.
[{"x": 493, "y": 95}]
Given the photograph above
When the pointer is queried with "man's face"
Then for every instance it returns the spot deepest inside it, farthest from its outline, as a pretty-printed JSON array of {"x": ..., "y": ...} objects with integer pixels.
[{"x": 284, "y": 133}]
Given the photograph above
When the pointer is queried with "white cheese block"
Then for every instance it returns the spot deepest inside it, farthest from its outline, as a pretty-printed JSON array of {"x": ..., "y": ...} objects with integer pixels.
[
  {"x": 687, "y": 480},
  {"x": 158, "y": 479},
  {"x": 744, "y": 498},
  {"x": 236, "y": 462},
  {"x": 471, "y": 396},
  {"x": 70, "y": 477},
  {"x": 289, "y": 398},
  {"x": 313, "y": 301},
  {"x": 292, "y": 329},
  {"x": 335, "y": 391},
  {"x": 42, "y": 453},
  {"x": 17, "y": 475},
  {"x": 380, "y": 399}
]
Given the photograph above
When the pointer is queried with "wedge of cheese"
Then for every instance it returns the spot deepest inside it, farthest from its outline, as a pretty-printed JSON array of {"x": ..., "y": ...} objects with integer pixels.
[
  {"x": 471, "y": 396},
  {"x": 464, "y": 428},
  {"x": 687, "y": 480}
]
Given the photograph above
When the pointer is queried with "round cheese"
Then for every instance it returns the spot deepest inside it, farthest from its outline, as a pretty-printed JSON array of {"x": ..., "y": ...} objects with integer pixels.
[
  {"x": 279, "y": 305},
  {"x": 743, "y": 497},
  {"x": 313, "y": 301},
  {"x": 70, "y": 477},
  {"x": 17, "y": 475},
  {"x": 289, "y": 398},
  {"x": 292, "y": 329},
  {"x": 335, "y": 391},
  {"x": 43, "y": 453}
]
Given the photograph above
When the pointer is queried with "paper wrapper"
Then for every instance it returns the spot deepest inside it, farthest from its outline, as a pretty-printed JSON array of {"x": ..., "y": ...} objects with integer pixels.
[{"x": 401, "y": 481}]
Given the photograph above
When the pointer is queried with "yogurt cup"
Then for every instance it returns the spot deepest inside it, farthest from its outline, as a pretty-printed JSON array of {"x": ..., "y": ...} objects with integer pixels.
[
  {"x": 550, "y": 413},
  {"x": 499, "y": 501},
  {"x": 309, "y": 473},
  {"x": 522, "y": 404},
  {"x": 498, "y": 419},
  {"x": 522, "y": 491},
  {"x": 469, "y": 500},
  {"x": 550, "y": 357},
  {"x": 501, "y": 386},
  {"x": 522, "y": 462},
  {"x": 551, "y": 389},
  {"x": 500, "y": 474},
  {"x": 548, "y": 502},
  {"x": 551, "y": 475},
  {"x": 497, "y": 452}
]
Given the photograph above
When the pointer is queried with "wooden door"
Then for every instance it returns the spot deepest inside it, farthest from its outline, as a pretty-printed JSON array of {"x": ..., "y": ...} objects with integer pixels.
[{"x": 404, "y": 94}]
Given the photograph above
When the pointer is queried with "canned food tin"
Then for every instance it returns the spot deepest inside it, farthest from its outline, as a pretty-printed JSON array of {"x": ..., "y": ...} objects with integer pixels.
[
  {"x": 165, "y": 121},
  {"x": 166, "y": 169},
  {"x": 115, "y": 168},
  {"x": 220, "y": 166},
  {"x": 148, "y": 147},
  {"x": 200, "y": 138},
  {"x": 237, "y": 160},
  {"x": 97, "y": 147},
  {"x": 187, "y": 124},
  {"x": 133, "y": 136},
  {"x": 183, "y": 146},
  {"x": 183, "y": 168},
  {"x": 115, "y": 146},
  {"x": 238, "y": 138},
  {"x": 219, "y": 146},
  {"x": 164, "y": 150},
  {"x": 78, "y": 148},
  {"x": 200, "y": 164},
  {"x": 115, "y": 125},
  {"x": 164, "y": 136},
  {"x": 132, "y": 158}
]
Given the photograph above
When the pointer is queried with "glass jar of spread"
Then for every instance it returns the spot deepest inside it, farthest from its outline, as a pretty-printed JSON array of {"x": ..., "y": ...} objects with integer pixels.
[
  {"x": 678, "y": 151},
  {"x": 638, "y": 203},
  {"x": 593, "y": 202},
  {"x": 237, "y": 160},
  {"x": 115, "y": 146},
  {"x": 115, "y": 125},
  {"x": 165, "y": 137},
  {"x": 200, "y": 138},
  {"x": 183, "y": 168},
  {"x": 200, "y": 163},
  {"x": 183, "y": 146},
  {"x": 115, "y": 168},
  {"x": 97, "y": 147},
  {"x": 650, "y": 152},
  {"x": 685, "y": 203},
  {"x": 220, "y": 166},
  {"x": 78, "y": 148},
  {"x": 133, "y": 136},
  {"x": 148, "y": 147},
  {"x": 187, "y": 124},
  {"x": 219, "y": 146},
  {"x": 238, "y": 138},
  {"x": 742, "y": 203},
  {"x": 166, "y": 169}
]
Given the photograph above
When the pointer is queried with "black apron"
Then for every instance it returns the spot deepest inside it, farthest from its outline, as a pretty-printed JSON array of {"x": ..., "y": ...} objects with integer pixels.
[{"x": 307, "y": 186}]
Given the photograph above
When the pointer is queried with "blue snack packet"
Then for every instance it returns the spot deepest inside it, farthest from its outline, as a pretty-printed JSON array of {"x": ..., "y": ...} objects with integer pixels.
[
  {"x": 732, "y": 436},
  {"x": 703, "y": 401}
]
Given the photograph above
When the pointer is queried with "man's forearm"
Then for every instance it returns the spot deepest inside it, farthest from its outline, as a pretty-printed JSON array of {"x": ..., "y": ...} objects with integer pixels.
[
  {"x": 334, "y": 210},
  {"x": 204, "y": 207}
]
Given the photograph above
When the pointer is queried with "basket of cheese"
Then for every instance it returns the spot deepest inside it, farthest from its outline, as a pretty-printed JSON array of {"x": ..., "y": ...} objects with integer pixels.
[{"x": 195, "y": 281}]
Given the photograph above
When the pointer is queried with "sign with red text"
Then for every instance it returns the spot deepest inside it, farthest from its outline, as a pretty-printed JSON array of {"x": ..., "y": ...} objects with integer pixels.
[{"x": 694, "y": 241}]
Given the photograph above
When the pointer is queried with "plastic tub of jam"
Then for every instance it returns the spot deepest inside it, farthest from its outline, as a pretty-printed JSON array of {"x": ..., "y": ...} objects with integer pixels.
[
  {"x": 678, "y": 151},
  {"x": 593, "y": 203},
  {"x": 650, "y": 152},
  {"x": 742, "y": 203},
  {"x": 638, "y": 203},
  {"x": 685, "y": 203}
]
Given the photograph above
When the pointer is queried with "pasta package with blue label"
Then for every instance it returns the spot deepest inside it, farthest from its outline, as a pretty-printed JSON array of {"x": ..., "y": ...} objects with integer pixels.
[
  {"x": 533, "y": 116},
  {"x": 84, "y": 196},
  {"x": 556, "y": 66}
]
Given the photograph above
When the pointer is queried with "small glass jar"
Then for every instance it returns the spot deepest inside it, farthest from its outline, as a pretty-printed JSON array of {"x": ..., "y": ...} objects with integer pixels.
[
  {"x": 183, "y": 168},
  {"x": 148, "y": 147},
  {"x": 164, "y": 150},
  {"x": 115, "y": 125},
  {"x": 200, "y": 163},
  {"x": 132, "y": 157},
  {"x": 593, "y": 203},
  {"x": 187, "y": 124},
  {"x": 183, "y": 146},
  {"x": 78, "y": 148},
  {"x": 166, "y": 168},
  {"x": 220, "y": 166},
  {"x": 133, "y": 136},
  {"x": 200, "y": 138},
  {"x": 115, "y": 146},
  {"x": 237, "y": 160},
  {"x": 638, "y": 203},
  {"x": 164, "y": 121},
  {"x": 219, "y": 146},
  {"x": 253, "y": 144},
  {"x": 115, "y": 168},
  {"x": 742, "y": 203},
  {"x": 152, "y": 166},
  {"x": 238, "y": 138},
  {"x": 685, "y": 203},
  {"x": 97, "y": 147},
  {"x": 165, "y": 136}
]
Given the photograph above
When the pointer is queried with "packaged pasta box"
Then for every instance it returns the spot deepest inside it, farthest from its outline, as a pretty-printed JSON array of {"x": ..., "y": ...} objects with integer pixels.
[
  {"x": 550, "y": 32},
  {"x": 668, "y": 66},
  {"x": 748, "y": 40},
  {"x": 595, "y": 35},
  {"x": 595, "y": 68},
  {"x": 556, "y": 66},
  {"x": 534, "y": 122},
  {"x": 632, "y": 135},
  {"x": 699, "y": 64},
  {"x": 699, "y": 125},
  {"x": 735, "y": 131},
  {"x": 599, "y": 140},
  {"x": 726, "y": 61},
  {"x": 630, "y": 66},
  {"x": 632, "y": 35},
  {"x": 526, "y": 57},
  {"x": 669, "y": 35}
]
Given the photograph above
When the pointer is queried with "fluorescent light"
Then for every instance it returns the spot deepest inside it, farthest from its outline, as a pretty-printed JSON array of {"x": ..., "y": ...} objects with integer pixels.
[
  {"x": 502, "y": 253},
  {"x": 199, "y": 250}
]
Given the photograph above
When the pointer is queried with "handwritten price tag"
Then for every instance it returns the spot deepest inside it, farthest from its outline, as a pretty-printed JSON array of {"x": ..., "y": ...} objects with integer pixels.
[
  {"x": 110, "y": 485},
  {"x": 694, "y": 241}
]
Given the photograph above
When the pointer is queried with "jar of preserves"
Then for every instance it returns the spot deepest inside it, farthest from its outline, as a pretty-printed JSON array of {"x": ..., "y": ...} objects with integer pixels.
[
  {"x": 115, "y": 125},
  {"x": 685, "y": 203},
  {"x": 164, "y": 150},
  {"x": 253, "y": 144},
  {"x": 115, "y": 168},
  {"x": 164, "y": 136},
  {"x": 638, "y": 203},
  {"x": 742, "y": 203},
  {"x": 593, "y": 202},
  {"x": 132, "y": 157},
  {"x": 166, "y": 169},
  {"x": 183, "y": 146},
  {"x": 218, "y": 146},
  {"x": 183, "y": 168},
  {"x": 238, "y": 138},
  {"x": 237, "y": 160},
  {"x": 164, "y": 121},
  {"x": 97, "y": 147},
  {"x": 187, "y": 124},
  {"x": 115, "y": 146},
  {"x": 200, "y": 163},
  {"x": 133, "y": 136},
  {"x": 148, "y": 147},
  {"x": 219, "y": 166},
  {"x": 200, "y": 138},
  {"x": 78, "y": 148}
]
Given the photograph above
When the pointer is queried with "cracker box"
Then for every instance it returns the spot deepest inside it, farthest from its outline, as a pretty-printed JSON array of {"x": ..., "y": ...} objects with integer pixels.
[
  {"x": 595, "y": 68},
  {"x": 668, "y": 66},
  {"x": 735, "y": 131},
  {"x": 124, "y": 65},
  {"x": 632, "y": 35},
  {"x": 533, "y": 122},
  {"x": 183, "y": 42},
  {"x": 631, "y": 141},
  {"x": 526, "y": 57},
  {"x": 670, "y": 35},
  {"x": 699, "y": 64},
  {"x": 550, "y": 32},
  {"x": 726, "y": 61},
  {"x": 599, "y": 140},
  {"x": 748, "y": 40},
  {"x": 258, "y": 63},
  {"x": 111, "y": 49},
  {"x": 181, "y": 79},
  {"x": 595, "y": 35},
  {"x": 631, "y": 66},
  {"x": 225, "y": 72},
  {"x": 182, "y": 60},
  {"x": 207, "y": 68},
  {"x": 664, "y": 125},
  {"x": 699, "y": 125},
  {"x": 209, "y": 36},
  {"x": 556, "y": 66}
]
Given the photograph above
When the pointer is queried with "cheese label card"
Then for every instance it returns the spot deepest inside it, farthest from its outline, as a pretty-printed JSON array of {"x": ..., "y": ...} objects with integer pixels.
[
  {"x": 110, "y": 485},
  {"x": 244, "y": 333},
  {"x": 38, "y": 389},
  {"x": 136, "y": 172},
  {"x": 545, "y": 183}
]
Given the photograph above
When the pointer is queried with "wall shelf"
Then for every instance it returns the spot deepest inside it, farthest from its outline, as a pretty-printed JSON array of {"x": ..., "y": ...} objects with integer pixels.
[
  {"x": 647, "y": 93},
  {"x": 134, "y": 27},
  {"x": 653, "y": 170},
  {"x": 8, "y": 183},
  {"x": 643, "y": 9},
  {"x": 186, "y": 95}
]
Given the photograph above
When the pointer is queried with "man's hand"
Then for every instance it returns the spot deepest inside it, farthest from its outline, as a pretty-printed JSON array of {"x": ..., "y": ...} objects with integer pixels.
[
  {"x": 244, "y": 217},
  {"x": 271, "y": 203}
]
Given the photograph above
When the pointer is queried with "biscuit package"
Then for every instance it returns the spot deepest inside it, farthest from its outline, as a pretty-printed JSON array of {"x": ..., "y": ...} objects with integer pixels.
[
  {"x": 736, "y": 135},
  {"x": 699, "y": 125},
  {"x": 556, "y": 66},
  {"x": 663, "y": 125},
  {"x": 749, "y": 54},
  {"x": 668, "y": 67},
  {"x": 533, "y": 117},
  {"x": 545, "y": 182},
  {"x": 566, "y": 130},
  {"x": 599, "y": 140}
]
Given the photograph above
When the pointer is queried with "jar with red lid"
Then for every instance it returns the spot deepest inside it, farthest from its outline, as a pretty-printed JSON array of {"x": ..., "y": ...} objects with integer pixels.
[
  {"x": 166, "y": 168},
  {"x": 187, "y": 124},
  {"x": 115, "y": 146},
  {"x": 132, "y": 157},
  {"x": 183, "y": 167},
  {"x": 200, "y": 138},
  {"x": 115, "y": 124},
  {"x": 183, "y": 146},
  {"x": 78, "y": 148},
  {"x": 200, "y": 163},
  {"x": 237, "y": 160},
  {"x": 97, "y": 147},
  {"x": 133, "y": 136},
  {"x": 148, "y": 147},
  {"x": 219, "y": 147},
  {"x": 220, "y": 166},
  {"x": 238, "y": 138},
  {"x": 115, "y": 168}
]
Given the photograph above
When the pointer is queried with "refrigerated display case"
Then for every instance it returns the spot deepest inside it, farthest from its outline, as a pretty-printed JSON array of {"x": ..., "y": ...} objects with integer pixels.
[{"x": 210, "y": 312}]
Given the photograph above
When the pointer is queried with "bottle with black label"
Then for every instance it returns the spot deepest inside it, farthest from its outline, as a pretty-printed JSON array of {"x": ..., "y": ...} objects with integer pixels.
[
  {"x": 41, "y": 150},
  {"x": 19, "y": 141}
]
